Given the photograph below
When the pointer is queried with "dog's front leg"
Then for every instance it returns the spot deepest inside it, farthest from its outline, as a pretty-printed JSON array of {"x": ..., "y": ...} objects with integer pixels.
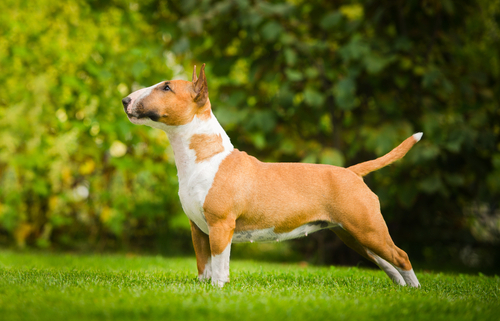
[
  {"x": 221, "y": 234},
  {"x": 201, "y": 246}
]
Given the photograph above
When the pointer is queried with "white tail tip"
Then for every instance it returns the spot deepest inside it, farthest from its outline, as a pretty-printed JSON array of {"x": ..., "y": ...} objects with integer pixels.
[{"x": 418, "y": 136}]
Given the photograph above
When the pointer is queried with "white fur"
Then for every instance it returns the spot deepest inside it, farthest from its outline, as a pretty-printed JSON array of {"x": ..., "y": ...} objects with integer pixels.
[
  {"x": 268, "y": 235},
  {"x": 418, "y": 136},
  {"x": 220, "y": 267},
  {"x": 207, "y": 272},
  {"x": 140, "y": 94},
  {"x": 410, "y": 277},
  {"x": 387, "y": 268},
  {"x": 195, "y": 179}
]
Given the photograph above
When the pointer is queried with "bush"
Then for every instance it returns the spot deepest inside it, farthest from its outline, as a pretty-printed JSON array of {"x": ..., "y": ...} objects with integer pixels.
[{"x": 73, "y": 170}]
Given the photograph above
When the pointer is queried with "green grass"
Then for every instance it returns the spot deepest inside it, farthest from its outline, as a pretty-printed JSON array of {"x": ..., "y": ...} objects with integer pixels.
[{"x": 82, "y": 287}]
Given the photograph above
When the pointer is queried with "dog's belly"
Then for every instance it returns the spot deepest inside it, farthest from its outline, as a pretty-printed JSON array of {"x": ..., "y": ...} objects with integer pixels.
[{"x": 268, "y": 235}]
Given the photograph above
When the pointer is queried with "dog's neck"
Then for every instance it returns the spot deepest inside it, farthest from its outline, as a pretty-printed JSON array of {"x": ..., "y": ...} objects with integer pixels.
[{"x": 185, "y": 156}]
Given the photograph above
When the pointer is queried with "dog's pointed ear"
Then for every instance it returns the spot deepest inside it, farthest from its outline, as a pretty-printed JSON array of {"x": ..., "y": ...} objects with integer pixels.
[
  {"x": 194, "y": 74},
  {"x": 201, "y": 88}
]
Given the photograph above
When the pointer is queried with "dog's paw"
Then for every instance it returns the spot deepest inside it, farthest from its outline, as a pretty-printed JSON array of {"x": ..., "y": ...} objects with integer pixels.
[
  {"x": 203, "y": 278},
  {"x": 410, "y": 278},
  {"x": 218, "y": 283},
  {"x": 207, "y": 273}
]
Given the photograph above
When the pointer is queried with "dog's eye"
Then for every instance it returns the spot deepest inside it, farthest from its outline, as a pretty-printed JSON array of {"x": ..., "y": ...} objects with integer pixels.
[{"x": 166, "y": 88}]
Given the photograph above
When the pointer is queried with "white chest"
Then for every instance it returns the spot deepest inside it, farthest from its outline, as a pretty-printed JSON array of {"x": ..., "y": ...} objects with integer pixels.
[
  {"x": 194, "y": 189},
  {"x": 196, "y": 176}
]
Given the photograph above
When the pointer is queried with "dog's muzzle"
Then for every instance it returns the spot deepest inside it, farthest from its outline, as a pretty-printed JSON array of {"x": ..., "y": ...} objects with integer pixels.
[{"x": 126, "y": 101}]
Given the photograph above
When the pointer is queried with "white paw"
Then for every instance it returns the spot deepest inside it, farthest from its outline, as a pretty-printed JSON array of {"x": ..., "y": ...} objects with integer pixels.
[
  {"x": 218, "y": 283},
  {"x": 410, "y": 278},
  {"x": 203, "y": 277}
]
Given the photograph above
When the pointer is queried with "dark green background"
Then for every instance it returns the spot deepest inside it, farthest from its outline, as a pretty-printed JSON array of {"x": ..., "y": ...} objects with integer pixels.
[{"x": 335, "y": 82}]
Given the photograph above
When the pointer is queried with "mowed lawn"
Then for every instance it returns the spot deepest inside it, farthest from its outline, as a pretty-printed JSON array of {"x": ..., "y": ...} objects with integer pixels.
[{"x": 120, "y": 287}]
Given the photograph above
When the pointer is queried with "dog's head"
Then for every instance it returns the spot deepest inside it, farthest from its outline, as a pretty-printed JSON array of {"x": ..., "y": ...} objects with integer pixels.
[{"x": 172, "y": 102}]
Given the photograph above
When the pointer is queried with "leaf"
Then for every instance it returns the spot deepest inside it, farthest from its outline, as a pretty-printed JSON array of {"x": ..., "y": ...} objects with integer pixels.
[
  {"x": 455, "y": 179},
  {"x": 180, "y": 222},
  {"x": 431, "y": 184},
  {"x": 344, "y": 92},
  {"x": 313, "y": 97},
  {"x": 264, "y": 120},
  {"x": 290, "y": 56},
  {"x": 375, "y": 63},
  {"x": 431, "y": 78},
  {"x": 332, "y": 156},
  {"x": 331, "y": 20},
  {"x": 353, "y": 11},
  {"x": 355, "y": 49},
  {"x": 259, "y": 140},
  {"x": 293, "y": 75},
  {"x": 180, "y": 46},
  {"x": 310, "y": 158},
  {"x": 280, "y": 9},
  {"x": 271, "y": 30}
]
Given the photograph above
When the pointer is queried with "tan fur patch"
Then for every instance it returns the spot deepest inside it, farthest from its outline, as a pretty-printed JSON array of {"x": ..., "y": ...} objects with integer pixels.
[
  {"x": 175, "y": 107},
  {"x": 285, "y": 196},
  {"x": 263, "y": 195},
  {"x": 178, "y": 105},
  {"x": 206, "y": 146},
  {"x": 221, "y": 234},
  {"x": 205, "y": 112}
]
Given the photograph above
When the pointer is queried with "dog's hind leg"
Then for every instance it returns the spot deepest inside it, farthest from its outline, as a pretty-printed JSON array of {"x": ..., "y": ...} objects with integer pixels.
[
  {"x": 350, "y": 241},
  {"x": 362, "y": 219},
  {"x": 385, "y": 249},
  {"x": 374, "y": 237}
]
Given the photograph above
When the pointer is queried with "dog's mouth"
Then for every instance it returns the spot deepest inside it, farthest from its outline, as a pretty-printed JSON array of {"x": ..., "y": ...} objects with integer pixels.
[
  {"x": 132, "y": 116},
  {"x": 138, "y": 120}
]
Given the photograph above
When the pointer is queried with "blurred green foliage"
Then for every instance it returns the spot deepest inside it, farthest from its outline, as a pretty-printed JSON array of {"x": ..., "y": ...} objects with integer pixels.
[
  {"x": 335, "y": 82},
  {"x": 341, "y": 82},
  {"x": 73, "y": 170}
]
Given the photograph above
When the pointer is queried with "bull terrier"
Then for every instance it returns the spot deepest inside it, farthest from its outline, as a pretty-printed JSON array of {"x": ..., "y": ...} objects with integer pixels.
[{"x": 230, "y": 196}]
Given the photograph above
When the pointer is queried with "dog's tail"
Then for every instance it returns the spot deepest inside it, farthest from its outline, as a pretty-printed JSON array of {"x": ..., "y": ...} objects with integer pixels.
[{"x": 365, "y": 168}]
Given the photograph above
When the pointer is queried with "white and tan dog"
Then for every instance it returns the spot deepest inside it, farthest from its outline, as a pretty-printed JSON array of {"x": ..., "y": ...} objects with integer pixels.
[{"x": 232, "y": 197}]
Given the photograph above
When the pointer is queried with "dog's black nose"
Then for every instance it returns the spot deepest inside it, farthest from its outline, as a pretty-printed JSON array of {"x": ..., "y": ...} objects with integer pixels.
[{"x": 125, "y": 102}]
